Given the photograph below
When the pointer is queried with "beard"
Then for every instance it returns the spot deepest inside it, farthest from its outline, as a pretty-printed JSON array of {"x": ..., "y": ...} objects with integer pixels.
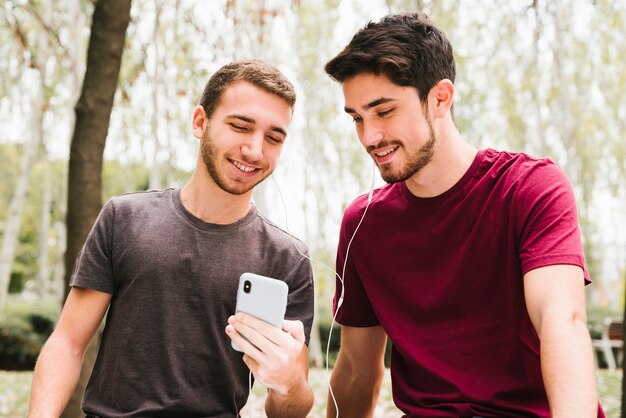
[
  {"x": 210, "y": 158},
  {"x": 415, "y": 161}
]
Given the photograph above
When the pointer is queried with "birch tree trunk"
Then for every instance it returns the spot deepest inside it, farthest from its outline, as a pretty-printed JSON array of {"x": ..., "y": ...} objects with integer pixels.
[
  {"x": 154, "y": 180},
  {"x": 18, "y": 201},
  {"x": 43, "y": 271},
  {"x": 313, "y": 44}
]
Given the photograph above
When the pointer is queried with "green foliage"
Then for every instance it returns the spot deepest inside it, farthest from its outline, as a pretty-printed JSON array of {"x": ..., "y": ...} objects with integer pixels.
[
  {"x": 20, "y": 343},
  {"x": 120, "y": 178},
  {"x": 117, "y": 178},
  {"x": 16, "y": 388},
  {"x": 10, "y": 154},
  {"x": 44, "y": 175},
  {"x": 334, "y": 343},
  {"x": 23, "y": 332}
]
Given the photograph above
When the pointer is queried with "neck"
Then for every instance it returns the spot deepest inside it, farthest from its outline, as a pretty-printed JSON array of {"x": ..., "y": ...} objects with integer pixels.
[
  {"x": 208, "y": 202},
  {"x": 451, "y": 160}
]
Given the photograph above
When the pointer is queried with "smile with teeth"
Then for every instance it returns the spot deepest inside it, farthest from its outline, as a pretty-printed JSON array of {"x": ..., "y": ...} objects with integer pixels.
[
  {"x": 386, "y": 152},
  {"x": 242, "y": 167}
]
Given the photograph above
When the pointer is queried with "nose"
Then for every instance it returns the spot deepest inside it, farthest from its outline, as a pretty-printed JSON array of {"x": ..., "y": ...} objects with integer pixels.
[
  {"x": 371, "y": 134},
  {"x": 252, "y": 150}
]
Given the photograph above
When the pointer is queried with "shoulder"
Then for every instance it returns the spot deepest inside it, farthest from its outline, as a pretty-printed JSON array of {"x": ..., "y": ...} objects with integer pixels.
[
  {"x": 139, "y": 202},
  {"x": 277, "y": 237},
  {"x": 537, "y": 187},
  {"x": 382, "y": 199},
  {"x": 523, "y": 172},
  {"x": 521, "y": 165},
  {"x": 142, "y": 198},
  {"x": 135, "y": 208},
  {"x": 288, "y": 254}
]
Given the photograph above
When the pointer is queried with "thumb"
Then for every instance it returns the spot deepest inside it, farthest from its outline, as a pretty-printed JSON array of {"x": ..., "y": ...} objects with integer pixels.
[{"x": 295, "y": 329}]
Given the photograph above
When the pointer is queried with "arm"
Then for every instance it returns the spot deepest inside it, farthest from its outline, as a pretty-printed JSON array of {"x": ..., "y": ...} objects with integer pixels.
[
  {"x": 358, "y": 372},
  {"x": 555, "y": 299},
  {"x": 60, "y": 360},
  {"x": 278, "y": 359},
  {"x": 298, "y": 400}
]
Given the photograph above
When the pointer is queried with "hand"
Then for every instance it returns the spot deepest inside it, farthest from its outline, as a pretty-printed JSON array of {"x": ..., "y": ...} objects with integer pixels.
[{"x": 270, "y": 353}]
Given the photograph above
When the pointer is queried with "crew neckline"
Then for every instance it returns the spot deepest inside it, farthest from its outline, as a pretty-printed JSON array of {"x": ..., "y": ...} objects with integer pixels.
[
  {"x": 207, "y": 226},
  {"x": 468, "y": 178}
]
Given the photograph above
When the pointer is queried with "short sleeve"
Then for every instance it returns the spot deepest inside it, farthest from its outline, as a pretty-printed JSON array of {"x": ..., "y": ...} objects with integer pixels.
[
  {"x": 548, "y": 221},
  {"x": 356, "y": 309},
  {"x": 301, "y": 294},
  {"x": 93, "y": 268}
]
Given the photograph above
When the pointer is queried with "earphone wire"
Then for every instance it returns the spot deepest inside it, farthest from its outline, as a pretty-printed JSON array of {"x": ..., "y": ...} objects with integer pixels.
[{"x": 340, "y": 277}]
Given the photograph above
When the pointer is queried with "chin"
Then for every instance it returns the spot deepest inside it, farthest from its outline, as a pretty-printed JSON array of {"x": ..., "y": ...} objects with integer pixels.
[
  {"x": 237, "y": 191},
  {"x": 395, "y": 177}
]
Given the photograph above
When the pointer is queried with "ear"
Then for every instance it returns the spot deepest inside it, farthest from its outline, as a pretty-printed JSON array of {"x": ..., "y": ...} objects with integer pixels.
[
  {"x": 198, "y": 122},
  {"x": 443, "y": 93}
]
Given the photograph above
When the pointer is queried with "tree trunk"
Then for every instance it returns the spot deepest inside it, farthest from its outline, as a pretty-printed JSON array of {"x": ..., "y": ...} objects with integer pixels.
[
  {"x": 106, "y": 44},
  {"x": 58, "y": 275},
  {"x": 43, "y": 275},
  {"x": 155, "y": 179},
  {"x": 76, "y": 51}
]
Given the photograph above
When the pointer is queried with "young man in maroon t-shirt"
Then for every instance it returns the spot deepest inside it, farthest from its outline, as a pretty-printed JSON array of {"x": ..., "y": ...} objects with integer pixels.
[{"x": 470, "y": 261}]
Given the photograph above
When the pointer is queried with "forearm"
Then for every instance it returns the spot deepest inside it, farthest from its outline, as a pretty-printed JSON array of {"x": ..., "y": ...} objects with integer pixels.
[
  {"x": 355, "y": 391},
  {"x": 56, "y": 375},
  {"x": 568, "y": 368},
  {"x": 296, "y": 403}
]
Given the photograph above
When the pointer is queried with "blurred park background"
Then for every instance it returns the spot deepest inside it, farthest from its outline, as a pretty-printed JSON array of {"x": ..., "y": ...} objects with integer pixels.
[{"x": 537, "y": 76}]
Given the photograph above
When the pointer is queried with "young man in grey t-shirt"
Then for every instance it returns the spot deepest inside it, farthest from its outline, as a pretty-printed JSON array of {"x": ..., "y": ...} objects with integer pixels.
[{"x": 165, "y": 264}]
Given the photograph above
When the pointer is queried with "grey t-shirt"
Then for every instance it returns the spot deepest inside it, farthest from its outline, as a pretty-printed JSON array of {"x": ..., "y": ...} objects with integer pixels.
[{"x": 174, "y": 281}]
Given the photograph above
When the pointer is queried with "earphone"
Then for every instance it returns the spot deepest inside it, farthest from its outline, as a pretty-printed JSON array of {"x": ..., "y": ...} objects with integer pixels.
[
  {"x": 345, "y": 261},
  {"x": 340, "y": 277}
]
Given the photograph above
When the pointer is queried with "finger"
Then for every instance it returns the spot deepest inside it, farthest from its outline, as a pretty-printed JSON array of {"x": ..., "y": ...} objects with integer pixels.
[
  {"x": 254, "y": 367},
  {"x": 244, "y": 345},
  {"x": 257, "y": 338},
  {"x": 252, "y": 364},
  {"x": 252, "y": 321},
  {"x": 295, "y": 329},
  {"x": 251, "y": 324}
]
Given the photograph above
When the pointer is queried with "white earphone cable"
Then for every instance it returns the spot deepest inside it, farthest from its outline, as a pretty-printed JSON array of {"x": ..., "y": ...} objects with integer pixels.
[{"x": 340, "y": 277}]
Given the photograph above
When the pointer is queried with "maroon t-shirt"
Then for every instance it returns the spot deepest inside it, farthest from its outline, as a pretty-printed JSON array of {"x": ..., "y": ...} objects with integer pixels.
[{"x": 444, "y": 277}]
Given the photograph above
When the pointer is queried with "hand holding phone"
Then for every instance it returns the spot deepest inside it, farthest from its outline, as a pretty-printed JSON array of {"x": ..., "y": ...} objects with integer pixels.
[{"x": 263, "y": 297}]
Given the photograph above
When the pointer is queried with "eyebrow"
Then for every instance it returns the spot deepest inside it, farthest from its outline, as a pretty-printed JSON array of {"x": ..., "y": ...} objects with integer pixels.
[
  {"x": 250, "y": 120},
  {"x": 370, "y": 104}
]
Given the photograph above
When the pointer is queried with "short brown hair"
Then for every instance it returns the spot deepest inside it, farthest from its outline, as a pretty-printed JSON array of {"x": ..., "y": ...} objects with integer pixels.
[
  {"x": 261, "y": 74},
  {"x": 407, "y": 48}
]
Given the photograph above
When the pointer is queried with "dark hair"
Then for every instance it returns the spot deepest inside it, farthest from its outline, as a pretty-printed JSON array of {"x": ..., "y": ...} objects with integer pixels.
[
  {"x": 261, "y": 74},
  {"x": 407, "y": 48}
]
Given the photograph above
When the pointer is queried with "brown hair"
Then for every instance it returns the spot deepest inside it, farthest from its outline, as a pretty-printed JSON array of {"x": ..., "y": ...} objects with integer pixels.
[
  {"x": 407, "y": 48},
  {"x": 261, "y": 74}
]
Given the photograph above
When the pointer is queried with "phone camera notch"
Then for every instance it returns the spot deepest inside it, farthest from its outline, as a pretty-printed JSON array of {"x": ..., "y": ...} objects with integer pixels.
[{"x": 247, "y": 285}]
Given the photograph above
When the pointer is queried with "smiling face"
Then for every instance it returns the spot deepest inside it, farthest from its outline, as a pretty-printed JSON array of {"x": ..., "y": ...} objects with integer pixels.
[
  {"x": 392, "y": 124},
  {"x": 241, "y": 142}
]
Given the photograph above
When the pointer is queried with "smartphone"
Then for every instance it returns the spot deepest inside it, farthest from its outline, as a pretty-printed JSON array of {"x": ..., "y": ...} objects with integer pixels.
[{"x": 263, "y": 297}]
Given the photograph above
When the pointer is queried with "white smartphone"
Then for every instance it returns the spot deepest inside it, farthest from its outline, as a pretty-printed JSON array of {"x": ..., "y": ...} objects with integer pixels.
[{"x": 263, "y": 297}]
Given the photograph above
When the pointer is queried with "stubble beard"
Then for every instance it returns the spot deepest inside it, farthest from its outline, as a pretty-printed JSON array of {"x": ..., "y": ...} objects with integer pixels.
[
  {"x": 210, "y": 156},
  {"x": 416, "y": 161}
]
